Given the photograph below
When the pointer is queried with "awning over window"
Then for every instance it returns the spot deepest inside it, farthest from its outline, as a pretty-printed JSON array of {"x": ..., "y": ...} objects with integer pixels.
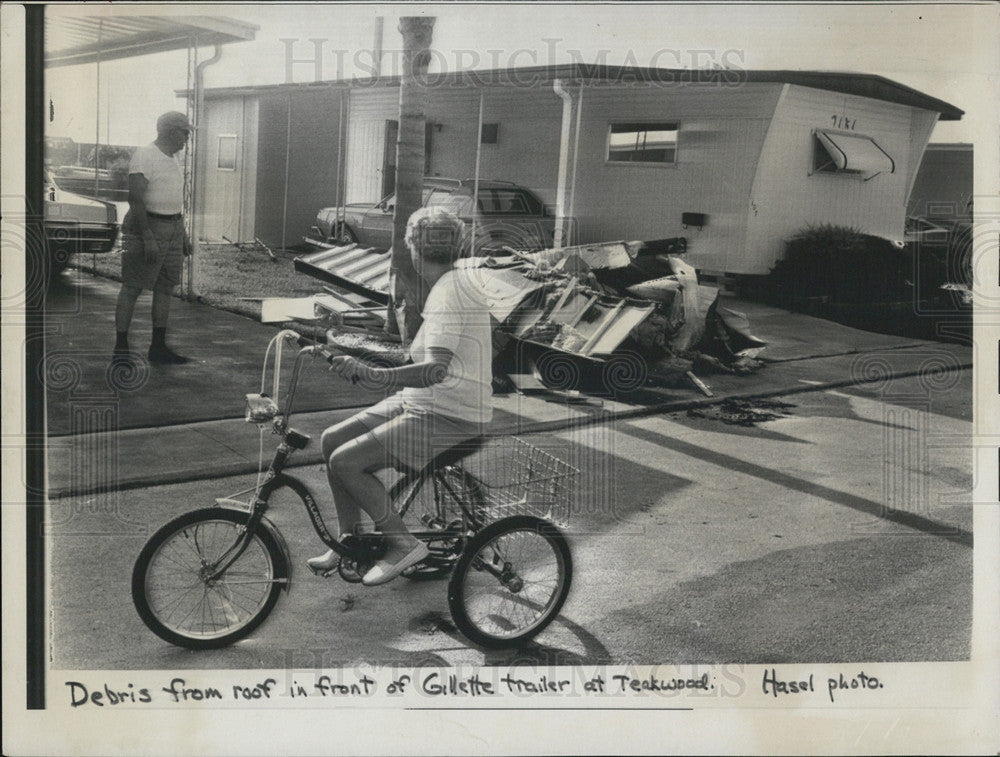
[{"x": 856, "y": 153}]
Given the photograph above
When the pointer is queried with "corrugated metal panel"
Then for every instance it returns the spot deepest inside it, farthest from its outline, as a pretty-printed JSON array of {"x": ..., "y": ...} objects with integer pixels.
[
  {"x": 111, "y": 33},
  {"x": 788, "y": 195},
  {"x": 357, "y": 269}
]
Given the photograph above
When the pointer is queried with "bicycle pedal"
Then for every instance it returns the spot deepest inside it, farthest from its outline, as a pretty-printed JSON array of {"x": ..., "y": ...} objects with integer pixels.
[{"x": 323, "y": 572}]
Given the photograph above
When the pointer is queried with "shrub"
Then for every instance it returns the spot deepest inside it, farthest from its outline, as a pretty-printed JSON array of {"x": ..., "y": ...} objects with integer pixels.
[{"x": 841, "y": 264}]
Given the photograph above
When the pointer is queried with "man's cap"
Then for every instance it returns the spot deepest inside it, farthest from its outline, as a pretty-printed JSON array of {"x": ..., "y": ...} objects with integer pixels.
[{"x": 173, "y": 119}]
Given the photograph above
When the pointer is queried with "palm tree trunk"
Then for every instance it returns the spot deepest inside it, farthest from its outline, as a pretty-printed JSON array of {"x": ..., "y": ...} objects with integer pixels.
[{"x": 407, "y": 297}]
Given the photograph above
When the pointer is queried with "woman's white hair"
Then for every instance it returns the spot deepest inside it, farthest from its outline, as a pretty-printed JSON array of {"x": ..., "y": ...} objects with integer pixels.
[{"x": 435, "y": 234}]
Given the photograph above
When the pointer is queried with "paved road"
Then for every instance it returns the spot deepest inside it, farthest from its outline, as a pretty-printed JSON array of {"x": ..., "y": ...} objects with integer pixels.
[{"x": 838, "y": 531}]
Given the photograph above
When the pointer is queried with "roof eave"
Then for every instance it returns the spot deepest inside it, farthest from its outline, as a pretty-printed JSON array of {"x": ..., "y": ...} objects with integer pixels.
[{"x": 863, "y": 85}]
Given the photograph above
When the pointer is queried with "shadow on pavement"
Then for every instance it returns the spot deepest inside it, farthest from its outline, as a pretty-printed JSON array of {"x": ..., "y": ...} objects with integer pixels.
[
  {"x": 84, "y": 394},
  {"x": 789, "y": 607}
]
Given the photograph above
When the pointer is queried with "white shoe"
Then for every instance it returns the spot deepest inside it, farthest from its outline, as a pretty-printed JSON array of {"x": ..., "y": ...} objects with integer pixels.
[
  {"x": 383, "y": 571},
  {"x": 322, "y": 564}
]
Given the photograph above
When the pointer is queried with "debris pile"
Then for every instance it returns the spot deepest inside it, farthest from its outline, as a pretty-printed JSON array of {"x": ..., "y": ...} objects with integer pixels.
[
  {"x": 631, "y": 309},
  {"x": 599, "y": 301}
]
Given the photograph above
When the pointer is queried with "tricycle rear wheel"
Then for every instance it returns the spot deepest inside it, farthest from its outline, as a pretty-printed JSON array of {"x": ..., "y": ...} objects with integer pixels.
[{"x": 511, "y": 581}]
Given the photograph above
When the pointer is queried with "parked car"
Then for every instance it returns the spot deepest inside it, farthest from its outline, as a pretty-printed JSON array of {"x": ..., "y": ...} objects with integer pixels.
[
  {"x": 74, "y": 223},
  {"x": 923, "y": 231},
  {"x": 942, "y": 244},
  {"x": 508, "y": 215}
]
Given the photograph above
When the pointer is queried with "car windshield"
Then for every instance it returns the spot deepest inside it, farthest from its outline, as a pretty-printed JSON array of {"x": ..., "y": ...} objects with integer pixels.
[
  {"x": 507, "y": 201},
  {"x": 389, "y": 202},
  {"x": 456, "y": 201},
  {"x": 491, "y": 201}
]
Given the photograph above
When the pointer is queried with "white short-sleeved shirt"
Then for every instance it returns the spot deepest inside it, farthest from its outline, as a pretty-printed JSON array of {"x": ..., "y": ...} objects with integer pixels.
[
  {"x": 165, "y": 193},
  {"x": 457, "y": 318}
]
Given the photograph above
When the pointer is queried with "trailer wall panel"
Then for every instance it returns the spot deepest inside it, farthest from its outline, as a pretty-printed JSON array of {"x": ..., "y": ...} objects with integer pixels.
[
  {"x": 370, "y": 108},
  {"x": 720, "y": 135},
  {"x": 789, "y": 195},
  {"x": 226, "y": 192},
  {"x": 526, "y": 153}
]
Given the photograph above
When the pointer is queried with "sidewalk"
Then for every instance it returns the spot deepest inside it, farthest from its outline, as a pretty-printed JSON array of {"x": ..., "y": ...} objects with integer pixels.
[{"x": 185, "y": 423}]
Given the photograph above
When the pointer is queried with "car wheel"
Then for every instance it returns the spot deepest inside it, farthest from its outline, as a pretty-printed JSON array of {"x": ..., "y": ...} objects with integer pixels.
[
  {"x": 56, "y": 262},
  {"x": 346, "y": 235}
]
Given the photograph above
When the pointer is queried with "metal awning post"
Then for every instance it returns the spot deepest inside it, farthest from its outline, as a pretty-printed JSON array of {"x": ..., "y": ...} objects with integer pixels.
[
  {"x": 475, "y": 178},
  {"x": 97, "y": 138},
  {"x": 559, "y": 239},
  {"x": 288, "y": 157},
  {"x": 201, "y": 149},
  {"x": 97, "y": 112},
  {"x": 571, "y": 210},
  {"x": 347, "y": 155},
  {"x": 338, "y": 202}
]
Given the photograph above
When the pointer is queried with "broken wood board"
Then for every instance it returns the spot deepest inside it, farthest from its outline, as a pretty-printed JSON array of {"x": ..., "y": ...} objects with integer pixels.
[
  {"x": 601, "y": 255},
  {"x": 314, "y": 308}
]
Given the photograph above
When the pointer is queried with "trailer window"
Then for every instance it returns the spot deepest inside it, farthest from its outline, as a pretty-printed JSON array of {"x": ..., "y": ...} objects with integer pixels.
[
  {"x": 642, "y": 143},
  {"x": 227, "y": 152}
]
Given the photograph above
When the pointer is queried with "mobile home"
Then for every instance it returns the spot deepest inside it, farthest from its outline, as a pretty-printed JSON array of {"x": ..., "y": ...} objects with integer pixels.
[{"x": 734, "y": 161}]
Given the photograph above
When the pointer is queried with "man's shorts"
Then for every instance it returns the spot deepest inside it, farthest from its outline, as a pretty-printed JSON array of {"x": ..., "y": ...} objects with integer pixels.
[
  {"x": 162, "y": 274},
  {"x": 411, "y": 435}
]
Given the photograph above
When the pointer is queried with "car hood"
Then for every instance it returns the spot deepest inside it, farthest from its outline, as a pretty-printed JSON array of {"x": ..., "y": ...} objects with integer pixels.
[
  {"x": 61, "y": 205},
  {"x": 351, "y": 206}
]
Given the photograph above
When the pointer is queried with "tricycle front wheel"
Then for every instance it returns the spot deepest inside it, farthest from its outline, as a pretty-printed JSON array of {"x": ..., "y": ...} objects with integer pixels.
[{"x": 179, "y": 597}]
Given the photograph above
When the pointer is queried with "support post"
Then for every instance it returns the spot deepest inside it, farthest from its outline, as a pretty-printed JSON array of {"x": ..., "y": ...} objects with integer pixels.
[
  {"x": 201, "y": 142},
  {"x": 417, "y": 31}
]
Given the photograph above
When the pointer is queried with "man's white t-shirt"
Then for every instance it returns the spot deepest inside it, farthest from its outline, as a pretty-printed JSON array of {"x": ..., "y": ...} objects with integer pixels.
[
  {"x": 457, "y": 318},
  {"x": 165, "y": 193}
]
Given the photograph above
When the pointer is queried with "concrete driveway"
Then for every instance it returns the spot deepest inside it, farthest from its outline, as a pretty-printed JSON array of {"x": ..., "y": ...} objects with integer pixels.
[{"x": 838, "y": 531}]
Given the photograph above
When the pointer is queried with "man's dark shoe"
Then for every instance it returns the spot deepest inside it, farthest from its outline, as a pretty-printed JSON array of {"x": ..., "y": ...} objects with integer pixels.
[{"x": 166, "y": 356}]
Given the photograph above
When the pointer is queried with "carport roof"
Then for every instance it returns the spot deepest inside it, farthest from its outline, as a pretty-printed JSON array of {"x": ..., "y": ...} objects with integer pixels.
[
  {"x": 850, "y": 83},
  {"x": 99, "y": 37}
]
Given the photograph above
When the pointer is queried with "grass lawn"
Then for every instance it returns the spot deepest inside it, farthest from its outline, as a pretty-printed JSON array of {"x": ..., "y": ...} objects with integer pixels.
[{"x": 225, "y": 275}]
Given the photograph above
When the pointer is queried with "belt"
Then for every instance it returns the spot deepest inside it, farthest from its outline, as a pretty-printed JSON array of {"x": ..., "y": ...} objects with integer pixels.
[{"x": 161, "y": 217}]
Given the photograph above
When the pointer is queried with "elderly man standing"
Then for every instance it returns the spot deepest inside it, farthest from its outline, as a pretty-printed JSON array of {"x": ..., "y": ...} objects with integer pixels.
[{"x": 153, "y": 237}]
